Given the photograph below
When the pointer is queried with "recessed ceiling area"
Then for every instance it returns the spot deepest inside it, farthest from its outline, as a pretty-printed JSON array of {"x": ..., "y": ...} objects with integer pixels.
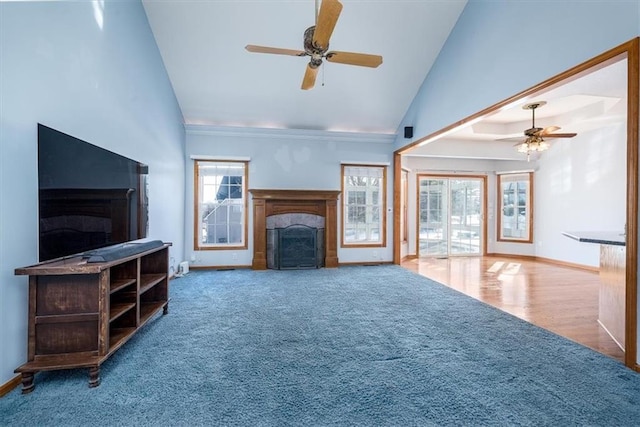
[
  {"x": 218, "y": 83},
  {"x": 591, "y": 102}
]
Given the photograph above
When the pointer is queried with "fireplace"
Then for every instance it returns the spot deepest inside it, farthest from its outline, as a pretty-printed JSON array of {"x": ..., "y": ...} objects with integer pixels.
[
  {"x": 270, "y": 207},
  {"x": 295, "y": 241}
]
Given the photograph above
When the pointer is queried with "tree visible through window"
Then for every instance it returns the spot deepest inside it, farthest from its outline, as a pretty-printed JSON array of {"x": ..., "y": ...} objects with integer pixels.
[
  {"x": 220, "y": 219},
  {"x": 363, "y": 207}
]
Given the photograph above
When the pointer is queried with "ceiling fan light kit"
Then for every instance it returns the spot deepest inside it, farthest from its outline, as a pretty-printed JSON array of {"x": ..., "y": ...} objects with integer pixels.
[
  {"x": 535, "y": 135},
  {"x": 535, "y": 143},
  {"x": 316, "y": 45}
]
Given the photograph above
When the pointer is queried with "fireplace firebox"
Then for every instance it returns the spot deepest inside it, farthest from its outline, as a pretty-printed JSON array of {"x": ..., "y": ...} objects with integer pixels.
[{"x": 295, "y": 247}]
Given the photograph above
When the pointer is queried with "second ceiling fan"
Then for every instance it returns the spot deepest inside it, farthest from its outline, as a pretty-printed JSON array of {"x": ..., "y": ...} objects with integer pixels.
[
  {"x": 546, "y": 132},
  {"x": 535, "y": 137},
  {"x": 316, "y": 45}
]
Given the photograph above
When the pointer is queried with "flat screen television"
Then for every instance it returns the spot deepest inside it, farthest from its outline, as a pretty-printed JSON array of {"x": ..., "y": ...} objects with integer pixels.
[{"x": 88, "y": 197}]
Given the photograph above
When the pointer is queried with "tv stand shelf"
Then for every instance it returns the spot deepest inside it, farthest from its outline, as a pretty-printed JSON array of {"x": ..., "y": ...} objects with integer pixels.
[{"x": 80, "y": 313}]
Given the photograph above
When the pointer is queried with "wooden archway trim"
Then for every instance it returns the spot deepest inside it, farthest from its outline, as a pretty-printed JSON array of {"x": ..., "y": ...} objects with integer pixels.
[{"x": 631, "y": 52}]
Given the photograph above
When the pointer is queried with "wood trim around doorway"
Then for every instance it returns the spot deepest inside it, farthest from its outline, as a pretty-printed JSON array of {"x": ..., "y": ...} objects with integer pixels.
[
  {"x": 629, "y": 51},
  {"x": 631, "y": 280}
]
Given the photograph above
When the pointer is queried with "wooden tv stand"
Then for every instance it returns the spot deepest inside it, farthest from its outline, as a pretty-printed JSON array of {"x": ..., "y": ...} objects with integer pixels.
[{"x": 80, "y": 313}]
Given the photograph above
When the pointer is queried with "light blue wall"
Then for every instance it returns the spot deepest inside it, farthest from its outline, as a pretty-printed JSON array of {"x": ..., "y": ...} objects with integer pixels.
[
  {"x": 499, "y": 48},
  {"x": 290, "y": 160},
  {"x": 92, "y": 70}
]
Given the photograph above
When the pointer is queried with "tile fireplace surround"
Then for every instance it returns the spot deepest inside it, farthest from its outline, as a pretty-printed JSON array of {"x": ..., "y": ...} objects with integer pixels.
[{"x": 274, "y": 202}]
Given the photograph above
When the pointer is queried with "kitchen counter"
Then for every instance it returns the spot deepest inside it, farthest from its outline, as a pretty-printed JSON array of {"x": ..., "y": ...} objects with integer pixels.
[
  {"x": 602, "y": 237},
  {"x": 612, "y": 298}
]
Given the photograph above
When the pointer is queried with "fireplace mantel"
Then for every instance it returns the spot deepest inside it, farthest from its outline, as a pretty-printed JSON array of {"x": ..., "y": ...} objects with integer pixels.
[{"x": 272, "y": 202}]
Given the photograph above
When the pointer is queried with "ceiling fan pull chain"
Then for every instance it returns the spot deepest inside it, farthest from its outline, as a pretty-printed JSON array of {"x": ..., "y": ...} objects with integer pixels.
[{"x": 323, "y": 74}]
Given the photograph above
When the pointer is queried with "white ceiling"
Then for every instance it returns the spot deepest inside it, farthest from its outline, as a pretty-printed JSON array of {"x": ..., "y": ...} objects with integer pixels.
[
  {"x": 582, "y": 105},
  {"x": 218, "y": 83}
]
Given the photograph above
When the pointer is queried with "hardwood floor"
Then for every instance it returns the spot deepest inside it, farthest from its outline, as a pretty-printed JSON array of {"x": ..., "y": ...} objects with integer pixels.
[{"x": 561, "y": 299}]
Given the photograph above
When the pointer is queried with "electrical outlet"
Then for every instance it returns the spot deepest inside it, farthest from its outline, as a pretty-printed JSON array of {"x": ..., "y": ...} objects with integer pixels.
[
  {"x": 234, "y": 256},
  {"x": 375, "y": 254}
]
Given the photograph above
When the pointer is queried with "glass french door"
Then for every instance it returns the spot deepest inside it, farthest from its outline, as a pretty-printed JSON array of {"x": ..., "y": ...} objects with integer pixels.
[{"x": 450, "y": 215}]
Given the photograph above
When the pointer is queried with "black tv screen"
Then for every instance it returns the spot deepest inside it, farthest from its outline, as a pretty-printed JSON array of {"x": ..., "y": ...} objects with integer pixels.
[{"x": 88, "y": 197}]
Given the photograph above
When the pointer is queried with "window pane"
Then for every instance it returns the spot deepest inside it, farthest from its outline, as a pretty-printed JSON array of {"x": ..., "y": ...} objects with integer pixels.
[
  {"x": 404, "y": 193},
  {"x": 515, "y": 207},
  {"x": 375, "y": 214},
  {"x": 221, "y": 205},
  {"x": 363, "y": 204}
]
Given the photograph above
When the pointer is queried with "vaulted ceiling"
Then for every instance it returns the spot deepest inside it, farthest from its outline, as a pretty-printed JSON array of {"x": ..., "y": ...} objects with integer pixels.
[
  {"x": 217, "y": 82},
  {"x": 591, "y": 102}
]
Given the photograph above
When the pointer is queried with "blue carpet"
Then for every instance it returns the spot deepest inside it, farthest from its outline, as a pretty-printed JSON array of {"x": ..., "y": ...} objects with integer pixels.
[{"x": 366, "y": 346}]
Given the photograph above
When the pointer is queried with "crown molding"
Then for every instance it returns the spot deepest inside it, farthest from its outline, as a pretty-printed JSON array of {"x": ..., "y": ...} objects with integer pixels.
[{"x": 297, "y": 134}]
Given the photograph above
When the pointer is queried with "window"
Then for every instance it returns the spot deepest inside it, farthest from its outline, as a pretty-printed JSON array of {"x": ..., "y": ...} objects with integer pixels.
[
  {"x": 450, "y": 215},
  {"x": 404, "y": 193},
  {"x": 515, "y": 218},
  {"x": 363, "y": 205},
  {"x": 221, "y": 205}
]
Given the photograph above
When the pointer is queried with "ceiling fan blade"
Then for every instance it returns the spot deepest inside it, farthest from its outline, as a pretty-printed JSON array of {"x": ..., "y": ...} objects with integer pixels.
[
  {"x": 560, "y": 135},
  {"x": 275, "y": 50},
  {"x": 350, "y": 58},
  {"x": 327, "y": 18},
  {"x": 548, "y": 130},
  {"x": 512, "y": 139},
  {"x": 309, "y": 79}
]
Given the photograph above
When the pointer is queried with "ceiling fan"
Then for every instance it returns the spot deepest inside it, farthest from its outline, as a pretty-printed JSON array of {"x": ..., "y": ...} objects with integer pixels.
[
  {"x": 316, "y": 45},
  {"x": 535, "y": 141}
]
